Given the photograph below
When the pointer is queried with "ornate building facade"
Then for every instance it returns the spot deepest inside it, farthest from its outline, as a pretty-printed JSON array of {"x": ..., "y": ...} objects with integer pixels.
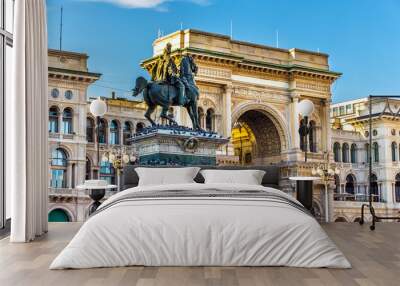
[
  {"x": 350, "y": 146},
  {"x": 72, "y": 137},
  {"x": 250, "y": 93}
]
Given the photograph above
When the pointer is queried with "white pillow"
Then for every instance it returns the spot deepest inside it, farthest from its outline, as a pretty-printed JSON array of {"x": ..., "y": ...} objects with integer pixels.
[
  {"x": 248, "y": 177},
  {"x": 166, "y": 176}
]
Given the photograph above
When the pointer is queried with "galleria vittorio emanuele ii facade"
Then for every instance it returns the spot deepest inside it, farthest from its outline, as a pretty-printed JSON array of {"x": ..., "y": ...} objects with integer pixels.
[{"x": 248, "y": 92}]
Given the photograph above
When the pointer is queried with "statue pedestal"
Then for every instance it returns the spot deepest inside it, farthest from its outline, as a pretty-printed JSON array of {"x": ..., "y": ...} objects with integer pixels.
[{"x": 177, "y": 145}]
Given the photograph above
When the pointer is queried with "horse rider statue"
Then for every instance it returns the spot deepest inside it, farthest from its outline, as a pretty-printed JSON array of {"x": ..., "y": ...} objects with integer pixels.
[
  {"x": 167, "y": 72},
  {"x": 170, "y": 87}
]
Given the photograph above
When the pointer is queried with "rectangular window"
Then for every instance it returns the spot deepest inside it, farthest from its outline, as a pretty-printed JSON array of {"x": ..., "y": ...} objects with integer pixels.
[
  {"x": 335, "y": 111},
  {"x": 67, "y": 126},
  {"x": 58, "y": 179},
  {"x": 341, "y": 110},
  {"x": 348, "y": 109}
]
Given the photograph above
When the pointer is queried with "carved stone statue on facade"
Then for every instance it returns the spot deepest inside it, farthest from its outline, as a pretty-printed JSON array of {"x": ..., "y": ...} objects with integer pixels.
[{"x": 170, "y": 86}]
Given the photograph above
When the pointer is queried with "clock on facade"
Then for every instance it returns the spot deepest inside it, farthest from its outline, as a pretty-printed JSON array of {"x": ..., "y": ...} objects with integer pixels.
[{"x": 68, "y": 94}]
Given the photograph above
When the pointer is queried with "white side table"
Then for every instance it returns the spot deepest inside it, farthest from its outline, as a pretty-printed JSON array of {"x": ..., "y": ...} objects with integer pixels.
[{"x": 97, "y": 190}]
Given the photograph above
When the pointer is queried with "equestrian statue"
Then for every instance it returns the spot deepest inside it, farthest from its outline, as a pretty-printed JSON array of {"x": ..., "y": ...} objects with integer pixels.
[{"x": 170, "y": 86}]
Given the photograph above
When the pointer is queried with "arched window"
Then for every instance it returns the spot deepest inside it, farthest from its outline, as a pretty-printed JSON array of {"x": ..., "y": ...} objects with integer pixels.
[
  {"x": 58, "y": 215},
  {"x": 397, "y": 188},
  {"x": 374, "y": 187},
  {"x": 53, "y": 119},
  {"x": 201, "y": 117},
  {"x": 127, "y": 132},
  {"x": 139, "y": 127},
  {"x": 345, "y": 153},
  {"x": 107, "y": 172},
  {"x": 58, "y": 168},
  {"x": 353, "y": 153},
  {"x": 337, "y": 184},
  {"x": 210, "y": 120},
  {"x": 336, "y": 151},
  {"x": 114, "y": 132},
  {"x": 394, "y": 151},
  {"x": 67, "y": 121},
  {"x": 375, "y": 148},
  {"x": 367, "y": 153},
  {"x": 88, "y": 168},
  {"x": 312, "y": 137},
  {"x": 350, "y": 184},
  {"x": 102, "y": 131},
  {"x": 90, "y": 129}
]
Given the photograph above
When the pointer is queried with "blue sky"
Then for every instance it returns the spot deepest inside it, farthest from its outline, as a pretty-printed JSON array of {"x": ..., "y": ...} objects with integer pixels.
[{"x": 362, "y": 37}]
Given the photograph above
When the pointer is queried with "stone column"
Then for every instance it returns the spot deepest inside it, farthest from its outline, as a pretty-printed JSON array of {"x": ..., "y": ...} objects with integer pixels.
[
  {"x": 80, "y": 172},
  {"x": 294, "y": 122},
  {"x": 386, "y": 190},
  {"x": 108, "y": 136},
  {"x": 228, "y": 110},
  {"x": 121, "y": 132},
  {"x": 69, "y": 175},
  {"x": 326, "y": 134},
  {"x": 60, "y": 121},
  {"x": 227, "y": 118},
  {"x": 81, "y": 132},
  {"x": 331, "y": 201}
]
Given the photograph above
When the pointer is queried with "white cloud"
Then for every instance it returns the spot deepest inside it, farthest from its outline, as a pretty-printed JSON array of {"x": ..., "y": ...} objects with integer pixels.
[{"x": 132, "y": 4}]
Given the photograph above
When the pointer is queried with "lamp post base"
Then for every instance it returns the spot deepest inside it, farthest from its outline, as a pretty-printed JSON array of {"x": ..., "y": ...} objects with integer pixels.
[
  {"x": 305, "y": 194},
  {"x": 96, "y": 195}
]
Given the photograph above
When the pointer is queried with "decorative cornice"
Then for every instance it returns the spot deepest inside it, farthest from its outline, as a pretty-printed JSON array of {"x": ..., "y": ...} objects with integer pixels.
[
  {"x": 242, "y": 63},
  {"x": 67, "y": 74}
]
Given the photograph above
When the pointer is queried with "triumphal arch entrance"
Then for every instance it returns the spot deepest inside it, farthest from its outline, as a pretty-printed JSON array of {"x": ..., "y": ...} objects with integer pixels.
[{"x": 250, "y": 93}]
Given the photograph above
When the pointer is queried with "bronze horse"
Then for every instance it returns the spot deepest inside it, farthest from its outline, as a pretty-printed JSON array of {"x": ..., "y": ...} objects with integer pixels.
[{"x": 166, "y": 95}]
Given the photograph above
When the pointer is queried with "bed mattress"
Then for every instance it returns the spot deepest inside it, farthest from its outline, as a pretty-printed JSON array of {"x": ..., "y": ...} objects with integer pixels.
[{"x": 201, "y": 225}]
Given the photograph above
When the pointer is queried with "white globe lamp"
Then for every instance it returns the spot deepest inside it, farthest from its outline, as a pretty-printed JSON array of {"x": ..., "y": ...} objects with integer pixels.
[
  {"x": 98, "y": 107},
  {"x": 306, "y": 107}
]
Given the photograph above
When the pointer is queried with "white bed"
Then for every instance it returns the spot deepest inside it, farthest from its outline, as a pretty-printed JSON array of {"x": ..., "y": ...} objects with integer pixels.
[{"x": 203, "y": 225}]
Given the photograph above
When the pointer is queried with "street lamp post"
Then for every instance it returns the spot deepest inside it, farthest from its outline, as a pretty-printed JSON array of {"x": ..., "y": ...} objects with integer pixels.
[
  {"x": 98, "y": 108},
  {"x": 305, "y": 108},
  {"x": 118, "y": 158},
  {"x": 325, "y": 171}
]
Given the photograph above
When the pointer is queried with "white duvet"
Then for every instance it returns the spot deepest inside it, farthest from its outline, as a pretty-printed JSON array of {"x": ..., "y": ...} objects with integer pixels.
[{"x": 202, "y": 231}]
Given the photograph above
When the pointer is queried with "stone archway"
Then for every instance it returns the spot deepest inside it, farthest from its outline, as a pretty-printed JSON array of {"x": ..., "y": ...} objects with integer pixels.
[
  {"x": 59, "y": 214},
  {"x": 271, "y": 113},
  {"x": 264, "y": 136}
]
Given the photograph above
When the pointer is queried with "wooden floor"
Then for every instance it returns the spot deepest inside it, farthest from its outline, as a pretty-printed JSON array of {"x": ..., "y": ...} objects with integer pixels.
[{"x": 375, "y": 257}]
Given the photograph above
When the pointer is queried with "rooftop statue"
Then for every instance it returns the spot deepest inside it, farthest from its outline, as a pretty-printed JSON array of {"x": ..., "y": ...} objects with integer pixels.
[{"x": 170, "y": 86}]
